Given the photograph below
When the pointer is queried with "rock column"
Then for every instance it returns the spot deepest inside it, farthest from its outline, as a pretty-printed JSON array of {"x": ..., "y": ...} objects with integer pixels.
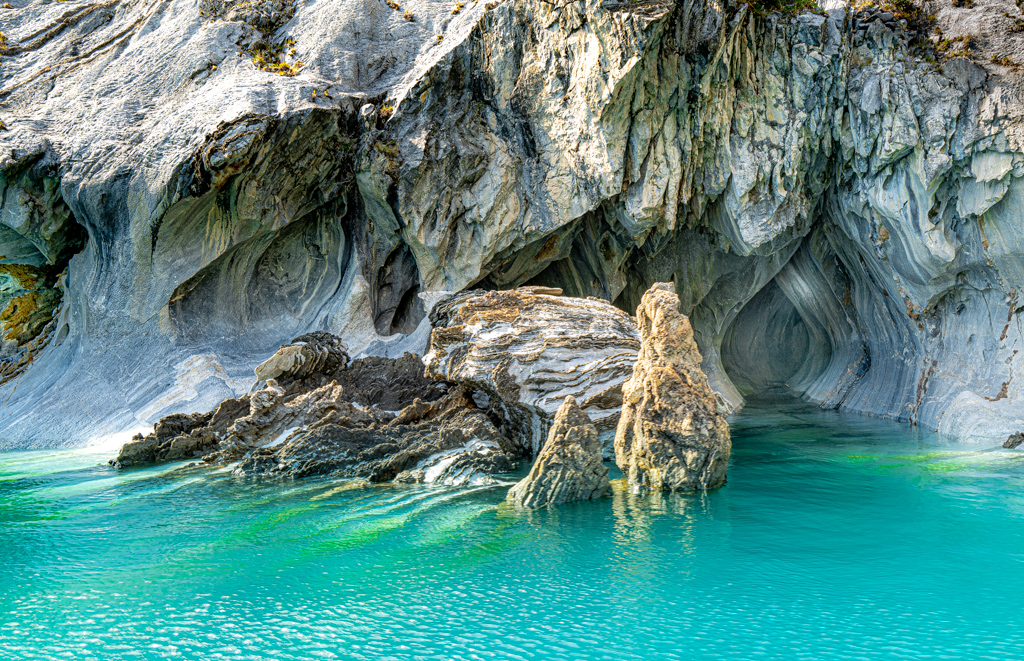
[
  {"x": 569, "y": 466},
  {"x": 671, "y": 434}
]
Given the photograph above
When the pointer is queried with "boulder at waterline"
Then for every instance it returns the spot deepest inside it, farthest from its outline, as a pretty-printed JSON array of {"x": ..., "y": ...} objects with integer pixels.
[
  {"x": 528, "y": 350},
  {"x": 323, "y": 414},
  {"x": 569, "y": 466},
  {"x": 672, "y": 433},
  {"x": 447, "y": 442}
]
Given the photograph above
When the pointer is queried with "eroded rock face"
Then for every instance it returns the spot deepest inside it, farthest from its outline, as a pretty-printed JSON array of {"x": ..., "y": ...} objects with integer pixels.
[
  {"x": 306, "y": 355},
  {"x": 262, "y": 169},
  {"x": 569, "y": 466},
  {"x": 171, "y": 439},
  {"x": 447, "y": 442},
  {"x": 528, "y": 351},
  {"x": 672, "y": 434}
]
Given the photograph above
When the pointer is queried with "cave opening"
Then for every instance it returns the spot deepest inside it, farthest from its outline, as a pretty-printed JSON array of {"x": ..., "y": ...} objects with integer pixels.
[
  {"x": 798, "y": 334},
  {"x": 770, "y": 349}
]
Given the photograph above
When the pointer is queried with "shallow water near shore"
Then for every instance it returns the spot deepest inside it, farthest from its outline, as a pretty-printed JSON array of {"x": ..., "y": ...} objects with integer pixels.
[{"x": 836, "y": 537}]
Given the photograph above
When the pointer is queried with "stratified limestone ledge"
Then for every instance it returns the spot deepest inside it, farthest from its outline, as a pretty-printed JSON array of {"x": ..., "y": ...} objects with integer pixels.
[{"x": 529, "y": 350}]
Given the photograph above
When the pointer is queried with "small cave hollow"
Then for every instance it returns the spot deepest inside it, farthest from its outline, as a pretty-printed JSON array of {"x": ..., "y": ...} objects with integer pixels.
[{"x": 770, "y": 349}]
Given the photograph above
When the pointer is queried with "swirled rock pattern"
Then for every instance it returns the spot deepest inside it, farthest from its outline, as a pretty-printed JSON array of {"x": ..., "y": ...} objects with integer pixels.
[
  {"x": 672, "y": 434},
  {"x": 219, "y": 177},
  {"x": 529, "y": 351},
  {"x": 569, "y": 466},
  {"x": 308, "y": 354}
]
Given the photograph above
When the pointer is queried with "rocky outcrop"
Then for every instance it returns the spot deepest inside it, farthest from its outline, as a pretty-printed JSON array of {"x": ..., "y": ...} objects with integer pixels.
[
  {"x": 310, "y": 424},
  {"x": 171, "y": 439},
  {"x": 529, "y": 350},
  {"x": 448, "y": 442},
  {"x": 218, "y": 178},
  {"x": 569, "y": 467},
  {"x": 305, "y": 356},
  {"x": 672, "y": 434}
]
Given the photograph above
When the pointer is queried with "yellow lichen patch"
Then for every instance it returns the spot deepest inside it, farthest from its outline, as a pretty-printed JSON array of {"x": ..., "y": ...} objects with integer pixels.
[
  {"x": 27, "y": 277},
  {"x": 272, "y": 59},
  {"x": 26, "y": 315}
]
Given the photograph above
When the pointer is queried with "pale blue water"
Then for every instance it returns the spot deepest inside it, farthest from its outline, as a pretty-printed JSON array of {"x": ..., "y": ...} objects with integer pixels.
[{"x": 837, "y": 537}]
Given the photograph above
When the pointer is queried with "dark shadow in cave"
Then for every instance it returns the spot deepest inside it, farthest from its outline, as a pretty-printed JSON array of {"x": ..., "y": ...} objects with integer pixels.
[
  {"x": 768, "y": 346},
  {"x": 798, "y": 334}
]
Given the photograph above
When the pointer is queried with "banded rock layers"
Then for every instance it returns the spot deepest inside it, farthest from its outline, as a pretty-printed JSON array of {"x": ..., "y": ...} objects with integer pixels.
[
  {"x": 806, "y": 181},
  {"x": 328, "y": 416},
  {"x": 529, "y": 351}
]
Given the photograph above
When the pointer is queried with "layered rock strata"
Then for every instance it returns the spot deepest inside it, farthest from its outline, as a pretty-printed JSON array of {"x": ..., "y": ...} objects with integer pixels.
[
  {"x": 528, "y": 351},
  {"x": 218, "y": 178},
  {"x": 446, "y": 442},
  {"x": 672, "y": 434},
  {"x": 331, "y": 416},
  {"x": 569, "y": 467}
]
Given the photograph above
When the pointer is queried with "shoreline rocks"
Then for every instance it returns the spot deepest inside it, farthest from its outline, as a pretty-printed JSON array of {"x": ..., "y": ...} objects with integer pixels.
[
  {"x": 317, "y": 412},
  {"x": 499, "y": 362},
  {"x": 448, "y": 442},
  {"x": 671, "y": 433},
  {"x": 568, "y": 467}
]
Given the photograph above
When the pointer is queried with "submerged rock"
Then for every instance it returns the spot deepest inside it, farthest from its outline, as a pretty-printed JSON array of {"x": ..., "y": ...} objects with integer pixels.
[
  {"x": 672, "y": 434},
  {"x": 569, "y": 466},
  {"x": 529, "y": 350}
]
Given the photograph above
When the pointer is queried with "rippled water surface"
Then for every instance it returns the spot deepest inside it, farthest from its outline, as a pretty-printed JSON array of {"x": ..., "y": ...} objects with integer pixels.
[{"x": 837, "y": 537}]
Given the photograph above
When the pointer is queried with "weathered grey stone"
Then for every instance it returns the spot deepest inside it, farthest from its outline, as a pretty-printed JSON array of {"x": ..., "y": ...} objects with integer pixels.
[
  {"x": 569, "y": 466},
  {"x": 177, "y": 436},
  {"x": 529, "y": 351},
  {"x": 672, "y": 434},
  {"x": 311, "y": 353},
  {"x": 595, "y": 147},
  {"x": 308, "y": 427}
]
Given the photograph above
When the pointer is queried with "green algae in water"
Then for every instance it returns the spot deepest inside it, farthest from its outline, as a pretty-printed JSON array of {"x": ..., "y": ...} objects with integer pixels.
[{"x": 836, "y": 537}]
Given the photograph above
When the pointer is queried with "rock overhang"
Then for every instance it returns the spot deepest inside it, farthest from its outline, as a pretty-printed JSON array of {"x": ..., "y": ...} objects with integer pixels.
[{"x": 652, "y": 140}]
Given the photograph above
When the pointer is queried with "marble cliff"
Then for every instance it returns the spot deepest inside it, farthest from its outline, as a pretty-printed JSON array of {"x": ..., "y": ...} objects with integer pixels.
[{"x": 188, "y": 185}]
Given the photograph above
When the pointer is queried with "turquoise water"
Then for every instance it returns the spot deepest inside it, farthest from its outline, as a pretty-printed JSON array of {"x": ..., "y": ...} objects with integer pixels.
[{"x": 837, "y": 537}]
